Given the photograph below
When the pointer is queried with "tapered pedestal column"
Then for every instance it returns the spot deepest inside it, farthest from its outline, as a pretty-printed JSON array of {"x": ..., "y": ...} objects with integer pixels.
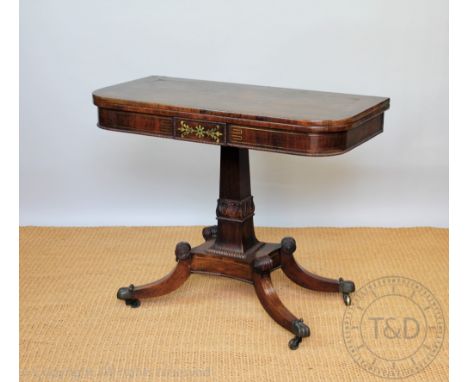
[{"x": 235, "y": 235}]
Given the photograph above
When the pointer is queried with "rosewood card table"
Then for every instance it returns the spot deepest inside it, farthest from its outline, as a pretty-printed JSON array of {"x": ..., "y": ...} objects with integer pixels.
[{"x": 238, "y": 118}]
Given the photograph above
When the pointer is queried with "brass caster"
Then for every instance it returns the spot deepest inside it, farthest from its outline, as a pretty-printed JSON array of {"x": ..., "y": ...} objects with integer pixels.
[
  {"x": 346, "y": 287},
  {"x": 301, "y": 330},
  {"x": 347, "y": 299},
  {"x": 126, "y": 294},
  {"x": 134, "y": 303},
  {"x": 294, "y": 342}
]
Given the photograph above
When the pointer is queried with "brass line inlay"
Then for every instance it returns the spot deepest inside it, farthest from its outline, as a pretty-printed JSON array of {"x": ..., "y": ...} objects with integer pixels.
[
  {"x": 236, "y": 134},
  {"x": 200, "y": 132}
]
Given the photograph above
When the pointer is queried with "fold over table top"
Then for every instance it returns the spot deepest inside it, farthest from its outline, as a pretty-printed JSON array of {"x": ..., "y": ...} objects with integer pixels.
[{"x": 291, "y": 121}]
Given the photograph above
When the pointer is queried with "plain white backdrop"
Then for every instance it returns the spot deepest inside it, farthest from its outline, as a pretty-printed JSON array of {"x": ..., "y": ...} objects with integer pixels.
[{"x": 72, "y": 173}]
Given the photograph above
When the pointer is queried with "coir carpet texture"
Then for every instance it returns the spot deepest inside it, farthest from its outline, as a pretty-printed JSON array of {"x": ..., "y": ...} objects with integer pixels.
[{"x": 72, "y": 327}]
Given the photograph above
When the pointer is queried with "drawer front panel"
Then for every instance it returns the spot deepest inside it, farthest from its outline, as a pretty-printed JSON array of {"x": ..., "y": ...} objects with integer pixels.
[
  {"x": 136, "y": 122},
  {"x": 200, "y": 131}
]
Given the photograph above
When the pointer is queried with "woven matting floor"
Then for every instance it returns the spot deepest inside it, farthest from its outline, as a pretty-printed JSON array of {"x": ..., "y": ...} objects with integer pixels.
[{"x": 72, "y": 327}]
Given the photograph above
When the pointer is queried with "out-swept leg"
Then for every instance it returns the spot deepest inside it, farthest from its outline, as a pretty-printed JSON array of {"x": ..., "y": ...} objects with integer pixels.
[
  {"x": 307, "y": 279},
  {"x": 167, "y": 284},
  {"x": 275, "y": 308}
]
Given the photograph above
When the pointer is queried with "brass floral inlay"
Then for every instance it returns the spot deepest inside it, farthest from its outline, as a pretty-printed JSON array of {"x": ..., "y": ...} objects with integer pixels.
[{"x": 200, "y": 132}]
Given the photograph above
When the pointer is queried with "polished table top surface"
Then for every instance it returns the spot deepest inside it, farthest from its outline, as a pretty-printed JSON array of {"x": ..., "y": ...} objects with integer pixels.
[{"x": 303, "y": 122}]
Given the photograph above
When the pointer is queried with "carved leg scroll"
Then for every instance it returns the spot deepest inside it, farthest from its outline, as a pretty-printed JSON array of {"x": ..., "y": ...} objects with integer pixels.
[
  {"x": 210, "y": 232},
  {"x": 307, "y": 279},
  {"x": 163, "y": 286}
]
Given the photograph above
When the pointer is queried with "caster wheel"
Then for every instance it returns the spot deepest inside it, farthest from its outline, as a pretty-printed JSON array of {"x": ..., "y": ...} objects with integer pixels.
[
  {"x": 294, "y": 343},
  {"x": 347, "y": 299},
  {"x": 134, "y": 303},
  {"x": 346, "y": 287},
  {"x": 300, "y": 330}
]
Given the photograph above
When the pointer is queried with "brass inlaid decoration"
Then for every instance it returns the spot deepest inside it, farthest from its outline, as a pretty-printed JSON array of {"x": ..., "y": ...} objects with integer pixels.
[
  {"x": 236, "y": 134},
  {"x": 200, "y": 132}
]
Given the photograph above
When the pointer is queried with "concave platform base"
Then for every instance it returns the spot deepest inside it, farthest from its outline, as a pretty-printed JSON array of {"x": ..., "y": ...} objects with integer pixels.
[{"x": 232, "y": 250}]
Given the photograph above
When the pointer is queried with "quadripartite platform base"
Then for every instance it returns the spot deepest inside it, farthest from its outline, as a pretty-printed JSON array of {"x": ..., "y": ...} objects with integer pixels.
[{"x": 266, "y": 259}]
